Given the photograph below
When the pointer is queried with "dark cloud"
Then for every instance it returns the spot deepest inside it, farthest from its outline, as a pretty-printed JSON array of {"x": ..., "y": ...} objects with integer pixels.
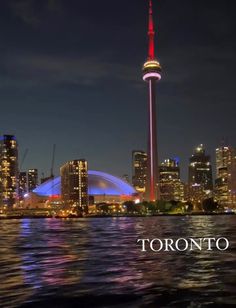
[
  {"x": 33, "y": 12},
  {"x": 29, "y": 70},
  {"x": 24, "y": 10}
]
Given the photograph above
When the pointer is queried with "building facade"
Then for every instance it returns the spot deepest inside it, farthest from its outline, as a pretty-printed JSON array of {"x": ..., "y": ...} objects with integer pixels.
[
  {"x": 74, "y": 184},
  {"x": 32, "y": 179},
  {"x": 171, "y": 187},
  {"x": 23, "y": 189},
  {"x": 200, "y": 175},
  {"x": 139, "y": 170},
  {"x": 8, "y": 170},
  {"x": 225, "y": 183}
]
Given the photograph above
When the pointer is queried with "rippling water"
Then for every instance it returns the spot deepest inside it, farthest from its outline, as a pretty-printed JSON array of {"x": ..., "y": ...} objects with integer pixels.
[{"x": 97, "y": 263}]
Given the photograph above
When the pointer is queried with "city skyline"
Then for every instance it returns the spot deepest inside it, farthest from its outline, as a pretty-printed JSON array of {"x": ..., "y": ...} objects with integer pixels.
[{"x": 44, "y": 81}]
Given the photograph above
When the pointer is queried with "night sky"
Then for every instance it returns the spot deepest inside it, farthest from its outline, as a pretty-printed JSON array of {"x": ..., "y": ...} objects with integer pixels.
[{"x": 70, "y": 74}]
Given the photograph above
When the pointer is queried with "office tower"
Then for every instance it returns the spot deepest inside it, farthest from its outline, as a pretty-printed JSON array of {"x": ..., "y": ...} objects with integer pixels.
[
  {"x": 200, "y": 175},
  {"x": 32, "y": 179},
  {"x": 171, "y": 188},
  {"x": 152, "y": 74},
  {"x": 139, "y": 170},
  {"x": 74, "y": 184},
  {"x": 232, "y": 181},
  {"x": 8, "y": 170},
  {"x": 225, "y": 183},
  {"x": 22, "y": 190}
]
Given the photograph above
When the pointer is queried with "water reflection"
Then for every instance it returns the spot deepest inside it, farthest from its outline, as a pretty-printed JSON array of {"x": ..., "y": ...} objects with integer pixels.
[
  {"x": 49, "y": 254},
  {"x": 42, "y": 259},
  {"x": 12, "y": 289}
]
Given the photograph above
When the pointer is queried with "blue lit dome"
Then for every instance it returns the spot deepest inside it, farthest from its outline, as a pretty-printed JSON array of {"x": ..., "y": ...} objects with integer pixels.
[{"x": 99, "y": 183}]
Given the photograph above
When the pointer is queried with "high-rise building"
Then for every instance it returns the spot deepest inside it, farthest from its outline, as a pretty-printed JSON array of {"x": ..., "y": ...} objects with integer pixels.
[
  {"x": 200, "y": 175},
  {"x": 171, "y": 187},
  {"x": 32, "y": 179},
  {"x": 139, "y": 170},
  {"x": 223, "y": 160},
  {"x": 225, "y": 183},
  {"x": 74, "y": 184},
  {"x": 8, "y": 170},
  {"x": 152, "y": 74},
  {"x": 22, "y": 189},
  {"x": 232, "y": 181}
]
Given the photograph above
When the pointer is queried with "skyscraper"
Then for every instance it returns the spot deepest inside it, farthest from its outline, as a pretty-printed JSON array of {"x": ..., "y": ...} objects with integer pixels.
[
  {"x": 139, "y": 170},
  {"x": 225, "y": 183},
  {"x": 223, "y": 160},
  {"x": 171, "y": 188},
  {"x": 200, "y": 175},
  {"x": 152, "y": 74},
  {"x": 74, "y": 184},
  {"x": 32, "y": 179},
  {"x": 8, "y": 170},
  {"x": 232, "y": 181}
]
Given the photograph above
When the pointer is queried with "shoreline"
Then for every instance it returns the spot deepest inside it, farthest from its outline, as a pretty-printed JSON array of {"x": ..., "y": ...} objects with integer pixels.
[{"x": 109, "y": 216}]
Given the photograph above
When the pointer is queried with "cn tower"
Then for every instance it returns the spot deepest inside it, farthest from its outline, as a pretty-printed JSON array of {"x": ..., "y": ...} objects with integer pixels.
[{"x": 152, "y": 74}]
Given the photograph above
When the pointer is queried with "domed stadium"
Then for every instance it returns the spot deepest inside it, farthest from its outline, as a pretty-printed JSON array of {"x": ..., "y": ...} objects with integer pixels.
[{"x": 101, "y": 185}]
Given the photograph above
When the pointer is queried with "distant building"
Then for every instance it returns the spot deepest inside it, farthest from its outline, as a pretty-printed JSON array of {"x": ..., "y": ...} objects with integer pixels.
[
  {"x": 125, "y": 178},
  {"x": 32, "y": 179},
  {"x": 139, "y": 170},
  {"x": 200, "y": 175},
  {"x": 74, "y": 184},
  {"x": 8, "y": 170},
  {"x": 232, "y": 181},
  {"x": 171, "y": 188},
  {"x": 22, "y": 190},
  {"x": 225, "y": 183}
]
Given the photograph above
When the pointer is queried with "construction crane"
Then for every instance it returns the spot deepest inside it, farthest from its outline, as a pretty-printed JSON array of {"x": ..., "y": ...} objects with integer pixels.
[
  {"x": 52, "y": 169},
  {"x": 53, "y": 160},
  {"x": 23, "y": 158},
  {"x": 18, "y": 181}
]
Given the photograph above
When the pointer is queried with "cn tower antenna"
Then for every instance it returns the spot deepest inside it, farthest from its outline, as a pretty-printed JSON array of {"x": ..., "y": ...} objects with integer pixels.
[{"x": 151, "y": 34}]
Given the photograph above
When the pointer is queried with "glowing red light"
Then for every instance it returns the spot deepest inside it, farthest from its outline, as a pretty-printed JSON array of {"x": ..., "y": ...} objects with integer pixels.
[
  {"x": 54, "y": 196},
  {"x": 151, "y": 33}
]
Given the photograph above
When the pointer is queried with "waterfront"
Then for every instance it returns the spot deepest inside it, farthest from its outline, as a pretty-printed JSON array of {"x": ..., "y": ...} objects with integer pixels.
[{"x": 88, "y": 262}]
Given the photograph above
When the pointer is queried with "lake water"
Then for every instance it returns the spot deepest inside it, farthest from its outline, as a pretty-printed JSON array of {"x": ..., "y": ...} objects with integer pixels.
[{"x": 96, "y": 262}]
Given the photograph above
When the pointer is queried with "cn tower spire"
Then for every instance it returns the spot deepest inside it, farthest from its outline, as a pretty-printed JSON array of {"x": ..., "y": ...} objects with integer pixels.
[{"x": 151, "y": 34}]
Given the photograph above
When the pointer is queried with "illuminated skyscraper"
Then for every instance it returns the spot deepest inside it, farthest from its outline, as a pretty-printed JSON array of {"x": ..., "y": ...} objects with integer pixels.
[
  {"x": 171, "y": 188},
  {"x": 232, "y": 181},
  {"x": 32, "y": 179},
  {"x": 152, "y": 74},
  {"x": 74, "y": 184},
  {"x": 139, "y": 170},
  {"x": 225, "y": 183},
  {"x": 223, "y": 160},
  {"x": 200, "y": 175},
  {"x": 22, "y": 190},
  {"x": 8, "y": 170}
]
